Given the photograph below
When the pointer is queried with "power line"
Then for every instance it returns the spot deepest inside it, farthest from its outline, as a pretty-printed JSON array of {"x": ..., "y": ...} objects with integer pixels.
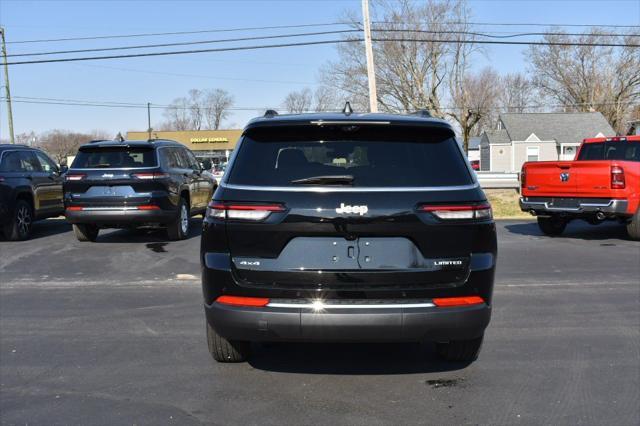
[
  {"x": 138, "y": 105},
  {"x": 185, "y": 52},
  {"x": 321, "y": 42},
  {"x": 184, "y": 43},
  {"x": 224, "y": 30},
  {"x": 189, "y": 43},
  {"x": 276, "y": 27}
]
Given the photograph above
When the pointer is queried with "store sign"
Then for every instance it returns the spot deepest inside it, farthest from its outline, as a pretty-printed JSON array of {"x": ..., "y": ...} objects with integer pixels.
[{"x": 209, "y": 140}]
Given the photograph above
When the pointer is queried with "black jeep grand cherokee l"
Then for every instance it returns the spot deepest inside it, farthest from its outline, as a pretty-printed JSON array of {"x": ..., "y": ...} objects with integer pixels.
[
  {"x": 336, "y": 227},
  {"x": 130, "y": 184}
]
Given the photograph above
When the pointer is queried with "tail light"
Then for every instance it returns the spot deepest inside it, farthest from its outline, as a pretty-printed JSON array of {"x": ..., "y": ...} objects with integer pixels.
[
  {"x": 617, "y": 177},
  {"x": 243, "y": 301},
  {"x": 75, "y": 176},
  {"x": 248, "y": 212},
  {"x": 460, "y": 211},
  {"x": 523, "y": 179},
  {"x": 150, "y": 176},
  {"x": 449, "y": 302}
]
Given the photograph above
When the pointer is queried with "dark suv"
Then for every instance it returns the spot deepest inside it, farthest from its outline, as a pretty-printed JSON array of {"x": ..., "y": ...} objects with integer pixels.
[
  {"x": 131, "y": 184},
  {"x": 30, "y": 189},
  {"x": 337, "y": 227}
]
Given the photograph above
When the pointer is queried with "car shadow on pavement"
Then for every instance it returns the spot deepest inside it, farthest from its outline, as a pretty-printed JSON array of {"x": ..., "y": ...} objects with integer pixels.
[
  {"x": 46, "y": 228},
  {"x": 576, "y": 229},
  {"x": 145, "y": 235},
  {"x": 350, "y": 358}
]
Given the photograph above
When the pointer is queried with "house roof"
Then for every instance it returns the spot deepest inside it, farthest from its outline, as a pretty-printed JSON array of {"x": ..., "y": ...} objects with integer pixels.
[
  {"x": 474, "y": 142},
  {"x": 561, "y": 127},
  {"x": 497, "y": 136}
]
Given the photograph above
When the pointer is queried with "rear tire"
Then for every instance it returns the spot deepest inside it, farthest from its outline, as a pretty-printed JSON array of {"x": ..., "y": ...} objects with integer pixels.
[
  {"x": 460, "y": 350},
  {"x": 85, "y": 232},
  {"x": 223, "y": 350},
  {"x": 179, "y": 228},
  {"x": 633, "y": 227},
  {"x": 552, "y": 226},
  {"x": 20, "y": 226}
]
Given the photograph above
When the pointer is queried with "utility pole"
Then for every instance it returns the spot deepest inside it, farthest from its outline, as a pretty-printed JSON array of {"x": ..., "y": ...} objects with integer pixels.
[
  {"x": 371, "y": 73},
  {"x": 6, "y": 88},
  {"x": 149, "y": 119}
]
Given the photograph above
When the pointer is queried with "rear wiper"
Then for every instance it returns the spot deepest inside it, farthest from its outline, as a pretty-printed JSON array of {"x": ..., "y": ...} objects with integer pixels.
[{"x": 326, "y": 180}]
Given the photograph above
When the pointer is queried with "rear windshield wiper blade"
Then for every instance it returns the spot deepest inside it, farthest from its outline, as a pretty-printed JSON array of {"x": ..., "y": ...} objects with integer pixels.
[{"x": 326, "y": 180}]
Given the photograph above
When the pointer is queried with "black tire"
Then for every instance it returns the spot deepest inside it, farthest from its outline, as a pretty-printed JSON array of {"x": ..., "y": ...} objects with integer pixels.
[
  {"x": 85, "y": 232},
  {"x": 179, "y": 228},
  {"x": 223, "y": 350},
  {"x": 460, "y": 350},
  {"x": 633, "y": 227},
  {"x": 20, "y": 226},
  {"x": 552, "y": 226}
]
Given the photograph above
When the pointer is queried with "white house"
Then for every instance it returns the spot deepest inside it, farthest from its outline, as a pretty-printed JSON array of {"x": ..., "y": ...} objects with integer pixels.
[{"x": 538, "y": 137}]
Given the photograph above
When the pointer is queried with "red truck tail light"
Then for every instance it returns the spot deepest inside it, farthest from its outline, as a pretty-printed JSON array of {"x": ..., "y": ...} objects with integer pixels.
[
  {"x": 617, "y": 177},
  {"x": 523, "y": 179},
  {"x": 238, "y": 211},
  {"x": 459, "y": 212},
  {"x": 75, "y": 176}
]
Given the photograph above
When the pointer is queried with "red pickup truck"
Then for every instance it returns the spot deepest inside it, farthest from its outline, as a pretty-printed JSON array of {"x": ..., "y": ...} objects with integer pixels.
[{"x": 602, "y": 183}]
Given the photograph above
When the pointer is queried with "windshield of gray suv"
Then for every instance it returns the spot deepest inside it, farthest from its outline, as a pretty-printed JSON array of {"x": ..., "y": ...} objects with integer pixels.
[{"x": 364, "y": 156}]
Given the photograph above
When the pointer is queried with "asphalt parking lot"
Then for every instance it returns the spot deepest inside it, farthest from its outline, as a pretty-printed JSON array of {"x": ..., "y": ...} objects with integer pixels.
[{"x": 113, "y": 333}]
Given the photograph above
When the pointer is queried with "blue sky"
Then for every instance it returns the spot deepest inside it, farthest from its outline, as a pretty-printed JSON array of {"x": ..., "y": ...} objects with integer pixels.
[{"x": 257, "y": 79}]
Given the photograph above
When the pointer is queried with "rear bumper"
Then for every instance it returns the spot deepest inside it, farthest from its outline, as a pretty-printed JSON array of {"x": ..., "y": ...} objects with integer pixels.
[
  {"x": 577, "y": 206},
  {"x": 363, "y": 324},
  {"x": 120, "y": 216}
]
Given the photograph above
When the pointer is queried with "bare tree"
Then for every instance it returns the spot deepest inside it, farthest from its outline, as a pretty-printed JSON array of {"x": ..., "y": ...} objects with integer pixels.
[
  {"x": 216, "y": 107},
  {"x": 589, "y": 78},
  {"x": 27, "y": 138},
  {"x": 177, "y": 115},
  {"x": 61, "y": 144},
  {"x": 412, "y": 70},
  {"x": 325, "y": 98},
  {"x": 298, "y": 101},
  {"x": 475, "y": 98},
  {"x": 196, "y": 108},
  {"x": 517, "y": 94}
]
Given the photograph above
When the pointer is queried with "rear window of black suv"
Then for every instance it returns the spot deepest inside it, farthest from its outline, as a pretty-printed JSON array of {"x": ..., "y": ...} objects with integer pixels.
[
  {"x": 118, "y": 157},
  {"x": 358, "y": 156}
]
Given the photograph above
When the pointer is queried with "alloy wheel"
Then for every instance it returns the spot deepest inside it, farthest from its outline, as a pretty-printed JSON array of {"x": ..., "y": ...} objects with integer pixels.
[
  {"x": 23, "y": 219},
  {"x": 184, "y": 219}
]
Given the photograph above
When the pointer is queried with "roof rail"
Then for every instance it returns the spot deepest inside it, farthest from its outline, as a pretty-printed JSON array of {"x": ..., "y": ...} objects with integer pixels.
[
  {"x": 422, "y": 113},
  {"x": 98, "y": 140},
  {"x": 270, "y": 113}
]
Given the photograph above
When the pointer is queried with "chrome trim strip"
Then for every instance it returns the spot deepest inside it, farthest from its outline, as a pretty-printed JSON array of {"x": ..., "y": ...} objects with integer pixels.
[
  {"x": 323, "y": 306},
  {"x": 89, "y": 209},
  {"x": 327, "y": 189},
  {"x": 351, "y": 122}
]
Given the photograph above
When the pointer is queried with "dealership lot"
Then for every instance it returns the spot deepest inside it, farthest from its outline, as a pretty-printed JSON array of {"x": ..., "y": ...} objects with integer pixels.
[{"x": 113, "y": 333}]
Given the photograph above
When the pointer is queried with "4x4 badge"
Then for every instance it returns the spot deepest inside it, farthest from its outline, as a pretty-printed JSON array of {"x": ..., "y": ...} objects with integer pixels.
[{"x": 347, "y": 209}]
